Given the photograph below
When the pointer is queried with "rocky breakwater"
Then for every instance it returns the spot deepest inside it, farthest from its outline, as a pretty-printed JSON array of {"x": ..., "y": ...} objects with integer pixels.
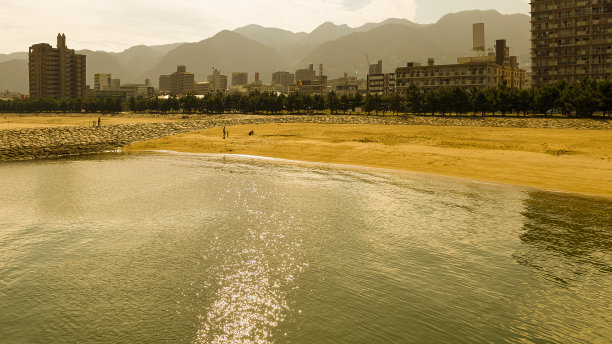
[{"x": 37, "y": 143}]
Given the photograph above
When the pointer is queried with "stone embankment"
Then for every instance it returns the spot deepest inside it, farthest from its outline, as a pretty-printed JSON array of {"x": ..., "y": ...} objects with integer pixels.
[{"x": 39, "y": 143}]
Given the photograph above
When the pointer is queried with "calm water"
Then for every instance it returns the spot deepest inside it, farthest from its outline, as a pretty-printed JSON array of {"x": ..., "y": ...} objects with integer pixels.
[{"x": 211, "y": 249}]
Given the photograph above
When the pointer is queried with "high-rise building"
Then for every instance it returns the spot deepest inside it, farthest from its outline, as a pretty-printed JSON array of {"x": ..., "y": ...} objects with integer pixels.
[
  {"x": 570, "y": 40},
  {"x": 240, "y": 78},
  {"x": 217, "y": 81},
  {"x": 284, "y": 79},
  {"x": 179, "y": 82},
  {"x": 57, "y": 72}
]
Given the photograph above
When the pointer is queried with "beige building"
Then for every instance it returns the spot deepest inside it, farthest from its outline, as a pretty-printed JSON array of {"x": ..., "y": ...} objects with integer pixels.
[
  {"x": 179, "y": 82},
  {"x": 571, "y": 40},
  {"x": 217, "y": 81},
  {"x": 379, "y": 82},
  {"x": 468, "y": 73},
  {"x": 57, "y": 72},
  {"x": 202, "y": 88}
]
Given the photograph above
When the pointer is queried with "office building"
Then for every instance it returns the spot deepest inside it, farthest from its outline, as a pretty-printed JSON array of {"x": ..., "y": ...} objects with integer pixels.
[
  {"x": 179, "y": 82},
  {"x": 571, "y": 40},
  {"x": 240, "y": 78},
  {"x": 284, "y": 79},
  {"x": 57, "y": 72}
]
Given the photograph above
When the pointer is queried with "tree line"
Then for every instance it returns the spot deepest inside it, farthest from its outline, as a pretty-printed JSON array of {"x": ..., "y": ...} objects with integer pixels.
[{"x": 583, "y": 99}]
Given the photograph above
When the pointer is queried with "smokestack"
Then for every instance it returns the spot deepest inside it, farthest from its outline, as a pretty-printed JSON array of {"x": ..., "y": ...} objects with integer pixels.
[
  {"x": 479, "y": 36},
  {"x": 500, "y": 51}
]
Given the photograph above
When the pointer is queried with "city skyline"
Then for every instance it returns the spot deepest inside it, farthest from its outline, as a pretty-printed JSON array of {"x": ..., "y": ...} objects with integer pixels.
[{"x": 112, "y": 26}]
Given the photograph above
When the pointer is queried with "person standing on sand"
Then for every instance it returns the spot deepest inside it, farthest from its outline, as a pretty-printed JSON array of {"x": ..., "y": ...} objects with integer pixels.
[
  {"x": 98, "y": 121},
  {"x": 224, "y": 132}
]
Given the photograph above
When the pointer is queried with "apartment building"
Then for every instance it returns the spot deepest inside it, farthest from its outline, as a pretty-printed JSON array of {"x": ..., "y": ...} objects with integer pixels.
[
  {"x": 57, "y": 72},
  {"x": 571, "y": 40},
  {"x": 379, "y": 82},
  {"x": 468, "y": 73}
]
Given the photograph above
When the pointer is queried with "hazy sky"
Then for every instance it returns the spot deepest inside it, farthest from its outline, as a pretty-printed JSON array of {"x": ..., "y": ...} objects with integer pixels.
[{"x": 114, "y": 25}]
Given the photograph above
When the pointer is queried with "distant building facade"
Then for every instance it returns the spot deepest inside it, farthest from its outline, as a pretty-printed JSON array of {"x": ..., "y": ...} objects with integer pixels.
[
  {"x": 284, "y": 79},
  {"x": 379, "y": 82},
  {"x": 201, "y": 88},
  {"x": 240, "y": 78},
  {"x": 316, "y": 84},
  {"x": 218, "y": 82},
  {"x": 376, "y": 68},
  {"x": 383, "y": 84},
  {"x": 105, "y": 82},
  {"x": 469, "y": 72},
  {"x": 164, "y": 83},
  {"x": 570, "y": 40},
  {"x": 347, "y": 85},
  {"x": 57, "y": 72},
  {"x": 179, "y": 82},
  {"x": 303, "y": 75}
]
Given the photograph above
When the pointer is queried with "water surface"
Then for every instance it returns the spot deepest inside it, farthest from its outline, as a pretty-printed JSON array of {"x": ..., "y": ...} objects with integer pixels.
[{"x": 217, "y": 249}]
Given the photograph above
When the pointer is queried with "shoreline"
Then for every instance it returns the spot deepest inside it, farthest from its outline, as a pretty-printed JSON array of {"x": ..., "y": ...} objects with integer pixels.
[
  {"x": 509, "y": 156},
  {"x": 372, "y": 168}
]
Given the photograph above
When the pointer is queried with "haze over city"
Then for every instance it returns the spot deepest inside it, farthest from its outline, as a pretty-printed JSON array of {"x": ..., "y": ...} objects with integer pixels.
[
  {"x": 116, "y": 25},
  {"x": 319, "y": 171}
]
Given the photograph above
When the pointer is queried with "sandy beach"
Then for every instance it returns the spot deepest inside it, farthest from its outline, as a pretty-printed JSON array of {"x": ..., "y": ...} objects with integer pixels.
[
  {"x": 12, "y": 121},
  {"x": 569, "y": 160}
]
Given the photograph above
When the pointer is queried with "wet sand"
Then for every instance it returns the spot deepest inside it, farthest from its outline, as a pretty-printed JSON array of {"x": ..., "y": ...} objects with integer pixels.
[{"x": 569, "y": 160}]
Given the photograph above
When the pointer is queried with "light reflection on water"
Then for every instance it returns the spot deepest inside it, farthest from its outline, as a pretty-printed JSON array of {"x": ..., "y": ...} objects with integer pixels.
[{"x": 213, "y": 249}]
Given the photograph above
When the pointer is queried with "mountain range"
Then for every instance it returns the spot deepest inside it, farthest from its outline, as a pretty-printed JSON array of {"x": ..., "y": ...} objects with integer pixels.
[{"x": 342, "y": 49}]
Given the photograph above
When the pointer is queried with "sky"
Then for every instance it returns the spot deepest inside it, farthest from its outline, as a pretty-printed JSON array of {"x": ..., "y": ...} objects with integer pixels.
[{"x": 114, "y": 25}]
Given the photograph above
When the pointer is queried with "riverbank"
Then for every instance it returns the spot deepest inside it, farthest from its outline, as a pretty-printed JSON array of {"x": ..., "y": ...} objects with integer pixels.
[{"x": 570, "y": 160}]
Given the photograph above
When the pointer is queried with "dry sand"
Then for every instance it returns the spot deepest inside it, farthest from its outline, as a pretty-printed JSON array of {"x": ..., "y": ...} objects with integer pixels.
[
  {"x": 570, "y": 160},
  {"x": 38, "y": 121}
]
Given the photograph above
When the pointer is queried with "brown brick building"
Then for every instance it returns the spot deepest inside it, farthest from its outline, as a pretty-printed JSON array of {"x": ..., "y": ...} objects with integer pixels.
[
  {"x": 57, "y": 72},
  {"x": 571, "y": 40}
]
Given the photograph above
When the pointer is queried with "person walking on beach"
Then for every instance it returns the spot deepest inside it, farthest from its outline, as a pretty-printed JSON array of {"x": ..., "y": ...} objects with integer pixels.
[{"x": 224, "y": 132}]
